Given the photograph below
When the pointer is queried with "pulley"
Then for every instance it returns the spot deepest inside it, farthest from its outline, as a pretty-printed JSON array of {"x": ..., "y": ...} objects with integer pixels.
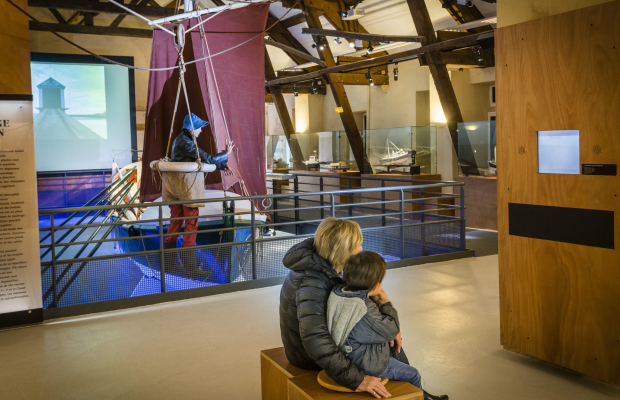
[{"x": 179, "y": 38}]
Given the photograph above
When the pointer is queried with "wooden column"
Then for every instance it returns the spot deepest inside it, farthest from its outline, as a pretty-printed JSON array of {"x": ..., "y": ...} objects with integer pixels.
[
  {"x": 285, "y": 118},
  {"x": 340, "y": 96},
  {"x": 15, "y": 39}
]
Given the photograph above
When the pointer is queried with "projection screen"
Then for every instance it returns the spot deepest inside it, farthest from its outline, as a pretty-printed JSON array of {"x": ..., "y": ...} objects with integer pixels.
[{"x": 83, "y": 112}]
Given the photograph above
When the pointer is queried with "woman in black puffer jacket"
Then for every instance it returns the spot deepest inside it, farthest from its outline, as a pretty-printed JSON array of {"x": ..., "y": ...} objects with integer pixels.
[{"x": 315, "y": 266}]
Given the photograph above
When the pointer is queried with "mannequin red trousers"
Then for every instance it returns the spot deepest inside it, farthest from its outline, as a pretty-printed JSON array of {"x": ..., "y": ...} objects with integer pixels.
[{"x": 191, "y": 225}]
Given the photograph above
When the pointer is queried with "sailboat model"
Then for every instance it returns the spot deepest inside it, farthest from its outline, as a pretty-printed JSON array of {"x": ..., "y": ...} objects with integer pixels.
[{"x": 395, "y": 155}]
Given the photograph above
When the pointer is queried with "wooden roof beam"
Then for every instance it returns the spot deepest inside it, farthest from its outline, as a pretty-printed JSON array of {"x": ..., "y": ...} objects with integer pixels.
[
  {"x": 94, "y": 30},
  {"x": 362, "y": 36},
  {"x": 94, "y": 6},
  {"x": 296, "y": 52},
  {"x": 339, "y": 93},
  {"x": 410, "y": 54}
]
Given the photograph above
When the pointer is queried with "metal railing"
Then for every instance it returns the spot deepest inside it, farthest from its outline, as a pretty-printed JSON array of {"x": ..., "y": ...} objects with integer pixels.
[{"x": 400, "y": 222}]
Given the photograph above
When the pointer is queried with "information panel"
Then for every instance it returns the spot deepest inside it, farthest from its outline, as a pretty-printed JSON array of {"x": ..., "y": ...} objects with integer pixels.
[{"x": 20, "y": 267}]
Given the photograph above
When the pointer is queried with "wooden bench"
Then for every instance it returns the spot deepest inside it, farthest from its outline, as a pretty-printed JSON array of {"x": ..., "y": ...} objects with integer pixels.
[
  {"x": 275, "y": 371},
  {"x": 282, "y": 381}
]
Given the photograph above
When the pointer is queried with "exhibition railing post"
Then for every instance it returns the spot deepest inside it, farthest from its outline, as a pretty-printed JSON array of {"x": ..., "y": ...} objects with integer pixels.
[
  {"x": 253, "y": 209},
  {"x": 462, "y": 205},
  {"x": 383, "y": 204},
  {"x": 402, "y": 224},
  {"x": 422, "y": 227},
  {"x": 333, "y": 205},
  {"x": 274, "y": 189},
  {"x": 296, "y": 198},
  {"x": 54, "y": 287},
  {"x": 350, "y": 198},
  {"x": 321, "y": 190},
  {"x": 162, "y": 262}
]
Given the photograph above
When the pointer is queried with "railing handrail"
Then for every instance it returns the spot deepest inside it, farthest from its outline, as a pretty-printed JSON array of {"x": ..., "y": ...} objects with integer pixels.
[{"x": 251, "y": 198}]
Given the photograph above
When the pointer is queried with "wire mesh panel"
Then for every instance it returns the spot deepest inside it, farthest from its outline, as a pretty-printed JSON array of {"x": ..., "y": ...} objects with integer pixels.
[
  {"x": 269, "y": 255},
  {"x": 384, "y": 241},
  {"x": 99, "y": 280}
]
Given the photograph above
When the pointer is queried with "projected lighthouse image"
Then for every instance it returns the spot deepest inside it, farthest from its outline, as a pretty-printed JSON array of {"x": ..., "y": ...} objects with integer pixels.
[
  {"x": 82, "y": 115},
  {"x": 52, "y": 121}
]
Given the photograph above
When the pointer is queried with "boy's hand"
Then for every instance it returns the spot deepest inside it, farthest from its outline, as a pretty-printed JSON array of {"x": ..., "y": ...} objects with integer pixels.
[
  {"x": 398, "y": 340},
  {"x": 381, "y": 297}
]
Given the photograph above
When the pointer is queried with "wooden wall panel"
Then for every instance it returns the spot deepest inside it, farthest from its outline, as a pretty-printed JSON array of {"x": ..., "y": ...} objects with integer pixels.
[
  {"x": 15, "y": 39},
  {"x": 560, "y": 302}
]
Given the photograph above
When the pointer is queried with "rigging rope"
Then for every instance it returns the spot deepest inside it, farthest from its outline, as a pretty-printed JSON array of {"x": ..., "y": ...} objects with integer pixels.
[{"x": 141, "y": 68}]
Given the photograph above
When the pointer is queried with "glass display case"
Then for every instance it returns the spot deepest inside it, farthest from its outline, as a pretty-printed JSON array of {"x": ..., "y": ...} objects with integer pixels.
[
  {"x": 396, "y": 149},
  {"x": 278, "y": 152},
  {"x": 477, "y": 148},
  {"x": 393, "y": 149}
]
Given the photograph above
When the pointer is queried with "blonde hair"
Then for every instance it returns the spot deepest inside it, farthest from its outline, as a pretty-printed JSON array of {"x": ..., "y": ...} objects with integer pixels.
[{"x": 336, "y": 239}]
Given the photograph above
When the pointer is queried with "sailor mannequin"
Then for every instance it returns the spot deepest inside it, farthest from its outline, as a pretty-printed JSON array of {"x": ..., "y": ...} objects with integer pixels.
[{"x": 188, "y": 186}]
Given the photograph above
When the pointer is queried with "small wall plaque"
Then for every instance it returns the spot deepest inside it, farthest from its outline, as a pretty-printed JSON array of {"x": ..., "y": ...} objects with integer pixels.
[{"x": 599, "y": 169}]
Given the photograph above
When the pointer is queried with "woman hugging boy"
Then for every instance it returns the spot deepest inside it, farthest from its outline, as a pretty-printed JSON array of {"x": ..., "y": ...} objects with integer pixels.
[{"x": 362, "y": 321}]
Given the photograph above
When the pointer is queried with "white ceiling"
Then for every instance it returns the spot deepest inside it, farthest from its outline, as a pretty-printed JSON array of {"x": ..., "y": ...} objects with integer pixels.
[{"x": 388, "y": 17}]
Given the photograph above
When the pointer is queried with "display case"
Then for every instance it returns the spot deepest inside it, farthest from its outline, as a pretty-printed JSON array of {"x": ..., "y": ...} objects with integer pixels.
[
  {"x": 278, "y": 152},
  {"x": 476, "y": 148},
  {"x": 397, "y": 149},
  {"x": 393, "y": 150}
]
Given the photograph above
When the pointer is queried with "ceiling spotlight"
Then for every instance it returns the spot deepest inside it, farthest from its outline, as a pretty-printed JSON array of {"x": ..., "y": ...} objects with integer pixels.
[
  {"x": 314, "y": 88},
  {"x": 479, "y": 57},
  {"x": 337, "y": 40},
  {"x": 369, "y": 49},
  {"x": 369, "y": 77},
  {"x": 396, "y": 72},
  {"x": 295, "y": 92},
  {"x": 446, "y": 4},
  {"x": 352, "y": 44}
]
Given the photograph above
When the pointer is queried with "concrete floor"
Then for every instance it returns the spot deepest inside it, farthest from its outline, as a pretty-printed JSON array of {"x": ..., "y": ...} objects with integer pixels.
[{"x": 209, "y": 348}]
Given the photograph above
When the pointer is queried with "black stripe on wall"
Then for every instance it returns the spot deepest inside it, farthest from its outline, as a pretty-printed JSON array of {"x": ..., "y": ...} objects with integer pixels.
[
  {"x": 561, "y": 224},
  {"x": 17, "y": 318},
  {"x": 15, "y": 97}
]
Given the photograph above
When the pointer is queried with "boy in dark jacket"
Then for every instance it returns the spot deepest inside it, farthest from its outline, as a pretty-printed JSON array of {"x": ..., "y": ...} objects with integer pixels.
[{"x": 363, "y": 322}]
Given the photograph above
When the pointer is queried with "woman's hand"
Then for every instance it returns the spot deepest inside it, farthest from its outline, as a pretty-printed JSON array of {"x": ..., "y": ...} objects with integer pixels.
[
  {"x": 381, "y": 297},
  {"x": 398, "y": 340},
  {"x": 373, "y": 386}
]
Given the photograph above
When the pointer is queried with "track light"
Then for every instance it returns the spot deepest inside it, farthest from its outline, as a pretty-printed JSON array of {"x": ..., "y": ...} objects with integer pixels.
[
  {"x": 369, "y": 77},
  {"x": 352, "y": 44},
  {"x": 295, "y": 92},
  {"x": 313, "y": 87},
  {"x": 337, "y": 40},
  {"x": 446, "y": 4},
  {"x": 479, "y": 57},
  {"x": 396, "y": 72},
  {"x": 369, "y": 49}
]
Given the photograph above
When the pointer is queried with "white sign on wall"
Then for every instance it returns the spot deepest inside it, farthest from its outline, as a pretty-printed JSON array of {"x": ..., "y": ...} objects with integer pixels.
[{"x": 20, "y": 266}]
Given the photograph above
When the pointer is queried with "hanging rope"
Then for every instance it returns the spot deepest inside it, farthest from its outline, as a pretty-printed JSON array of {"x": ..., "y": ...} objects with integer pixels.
[{"x": 140, "y": 68}]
